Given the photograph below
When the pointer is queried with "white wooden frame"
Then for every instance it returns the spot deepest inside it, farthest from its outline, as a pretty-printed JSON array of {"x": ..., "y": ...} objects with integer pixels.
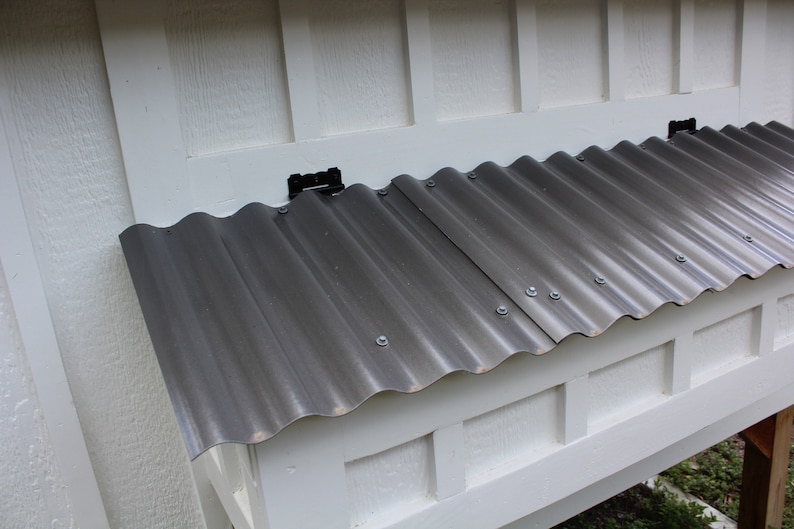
[
  {"x": 165, "y": 184},
  {"x": 299, "y": 478},
  {"x": 27, "y": 294}
]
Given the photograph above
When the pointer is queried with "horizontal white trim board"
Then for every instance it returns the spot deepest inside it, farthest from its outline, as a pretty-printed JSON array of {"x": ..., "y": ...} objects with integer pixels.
[
  {"x": 397, "y": 441},
  {"x": 223, "y": 183}
]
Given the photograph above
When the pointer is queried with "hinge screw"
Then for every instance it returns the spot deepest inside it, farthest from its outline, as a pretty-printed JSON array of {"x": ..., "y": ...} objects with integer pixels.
[
  {"x": 600, "y": 280},
  {"x": 382, "y": 341},
  {"x": 554, "y": 295},
  {"x": 680, "y": 258},
  {"x": 531, "y": 292},
  {"x": 283, "y": 210}
]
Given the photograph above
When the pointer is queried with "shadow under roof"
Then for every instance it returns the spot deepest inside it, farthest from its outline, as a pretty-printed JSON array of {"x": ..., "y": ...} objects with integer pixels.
[{"x": 270, "y": 315}]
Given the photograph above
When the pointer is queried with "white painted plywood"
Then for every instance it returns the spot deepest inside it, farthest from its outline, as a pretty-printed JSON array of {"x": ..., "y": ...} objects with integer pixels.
[
  {"x": 649, "y": 47},
  {"x": 229, "y": 73},
  {"x": 628, "y": 386},
  {"x": 474, "y": 67},
  {"x": 71, "y": 178},
  {"x": 390, "y": 482},
  {"x": 724, "y": 343},
  {"x": 784, "y": 330},
  {"x": 35, "y": 493},
  {"x": 716, "y": 43},
  {"x": 516, "y": 430},
  {"x": 360, "y": 64},
  {"x": 572, "y": 54},
  {"x": 779, "y": 63}
]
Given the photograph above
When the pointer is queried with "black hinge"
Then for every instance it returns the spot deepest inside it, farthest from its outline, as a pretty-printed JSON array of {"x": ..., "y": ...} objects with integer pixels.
[
  {"x": 687, "y": 125},
  {"x": 326, "y": 182}
]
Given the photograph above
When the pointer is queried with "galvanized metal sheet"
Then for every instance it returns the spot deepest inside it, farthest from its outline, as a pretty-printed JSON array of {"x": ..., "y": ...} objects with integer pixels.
[{"x": 274, "y": 314}]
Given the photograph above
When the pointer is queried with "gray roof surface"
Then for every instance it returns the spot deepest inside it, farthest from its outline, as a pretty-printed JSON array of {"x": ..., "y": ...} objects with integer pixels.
[{"x": 264, "y": 317}]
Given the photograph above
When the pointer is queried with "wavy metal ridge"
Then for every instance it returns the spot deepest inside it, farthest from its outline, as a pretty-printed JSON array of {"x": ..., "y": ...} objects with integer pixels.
[{"x": 270, "y": 315}]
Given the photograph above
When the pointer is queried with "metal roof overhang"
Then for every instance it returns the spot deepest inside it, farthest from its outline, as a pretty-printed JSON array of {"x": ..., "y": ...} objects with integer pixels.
[{"x": 270, "y": 315}]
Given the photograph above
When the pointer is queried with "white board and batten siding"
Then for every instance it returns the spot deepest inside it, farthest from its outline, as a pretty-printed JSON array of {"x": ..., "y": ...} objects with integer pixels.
[
  {"x": 512, "y": 447},
  {"x": 217, "y": 103}
]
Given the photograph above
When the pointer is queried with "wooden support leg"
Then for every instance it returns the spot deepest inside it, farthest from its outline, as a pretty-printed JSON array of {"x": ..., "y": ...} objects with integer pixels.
[{"x": 766, "y": 456}]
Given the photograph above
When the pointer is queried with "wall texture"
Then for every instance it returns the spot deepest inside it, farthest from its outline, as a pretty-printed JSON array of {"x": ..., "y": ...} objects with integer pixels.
[
  {"x": 394, "y": 86},
  {"x": 67, "y": 160}
]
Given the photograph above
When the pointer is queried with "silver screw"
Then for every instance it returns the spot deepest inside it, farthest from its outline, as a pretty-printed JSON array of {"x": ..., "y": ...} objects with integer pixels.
[
  {"x": 580, "y": 158},
  {"x": 642, "y": 146},
  {"x": 382, "y": 341},
  {"x": 431, "y": 183},
  {"x": 554, "y": 295},
  {"x": 472, "y": 175},
  {"x": 748, "y": 238},
  {"x": 531, "y": 292},
  {"x": 501, "y": 310},
  {"x": 283, "y": 210},
  {"x": 383, "y": 192},
  {"x": 680, "y": 258},
  {"x": 600, "y": 280}
]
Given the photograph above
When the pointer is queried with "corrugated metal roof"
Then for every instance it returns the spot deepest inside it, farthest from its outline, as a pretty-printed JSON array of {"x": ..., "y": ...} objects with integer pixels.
[{"x": 272, "y": 314}]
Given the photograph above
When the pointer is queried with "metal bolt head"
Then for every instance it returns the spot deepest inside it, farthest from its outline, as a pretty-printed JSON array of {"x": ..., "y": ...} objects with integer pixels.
[
  {"x": 383, "y": 192},
  {"x": 283, "y": 209},
  {"x": 642, "y": 146},
  {"x": 531, "y": 292},
  {"x": 554, "y": 295},
  {"x": 501, "y": 310},
  {"x": 600, "y": 280},
  {"x": 680, "y": 258},
  {"x": 431, "y": 183},
  {"x": 382, "y": 341},
  {"x": 580, "y": 158},
  {"x": 472, "y": 175},
  {"x": 748, "y": 238}
]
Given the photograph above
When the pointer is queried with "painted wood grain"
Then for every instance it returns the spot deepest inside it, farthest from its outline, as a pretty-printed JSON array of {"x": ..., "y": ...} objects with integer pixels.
[
  {"x": 627, "y": 386},
  {"x": 229, "y": 73},
  {"x": 474, "y": 67},
  {"x": 784, "y": 330},
  {"x": 779, "y": 65},
  {"x": 649, "y": 46},
  {"x": 571, "y": 44},
  {"x": 360, "y": 63},
  {"x": 723, "y": 343},
  {"x": 716, "y": 43},
  {"x": 393, "y": 481},
  {"x": 516, "y": 430}
]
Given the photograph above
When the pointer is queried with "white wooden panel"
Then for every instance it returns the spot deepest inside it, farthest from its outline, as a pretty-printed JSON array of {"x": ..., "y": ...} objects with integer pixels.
[
  {"x": 684, "y": 46},
  {"x": 228, "y": 73},
  {"x": 716, "y": 43},
  {"x": 449, "y": 461},
  {"x": 571, "y": 43},
  {"x": 784, "y": 331},
  {"x": 678, "y": 370},
  {"x": 519, "y": 430},
  {"x": 616, "y": 53},
  {"x": 626, "y": 387},
  {"x": 417, "y": 32},
  {"x": 574, "y": 409},
  {"x": 751, "y": 59},
  {"x": 779, "y": 64},
  {"x": 360, "y": 63},
  {"x": 724, "y": 343},
  {"x": 473, "y": 58},
  {"x": 649, "y": 46},
  {"x": 392, "y": 482},
  {"x": 526, "y": 31}
]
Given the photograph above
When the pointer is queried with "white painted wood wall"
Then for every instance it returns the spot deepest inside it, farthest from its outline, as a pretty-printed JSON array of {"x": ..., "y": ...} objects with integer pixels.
[
  {"x": 115, "y": 112},
  {"x": 512, "y": 447}
]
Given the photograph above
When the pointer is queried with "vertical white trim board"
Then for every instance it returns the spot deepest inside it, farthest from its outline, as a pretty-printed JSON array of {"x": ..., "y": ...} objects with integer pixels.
[{"x": 41, "y": 346}]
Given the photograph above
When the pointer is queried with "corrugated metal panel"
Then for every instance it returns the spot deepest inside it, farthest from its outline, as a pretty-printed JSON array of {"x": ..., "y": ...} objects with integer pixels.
[{"x": 270, "y": 315}]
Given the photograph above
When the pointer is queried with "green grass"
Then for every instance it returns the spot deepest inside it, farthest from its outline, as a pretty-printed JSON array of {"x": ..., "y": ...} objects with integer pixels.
[{"x": 713, "y": 475}]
